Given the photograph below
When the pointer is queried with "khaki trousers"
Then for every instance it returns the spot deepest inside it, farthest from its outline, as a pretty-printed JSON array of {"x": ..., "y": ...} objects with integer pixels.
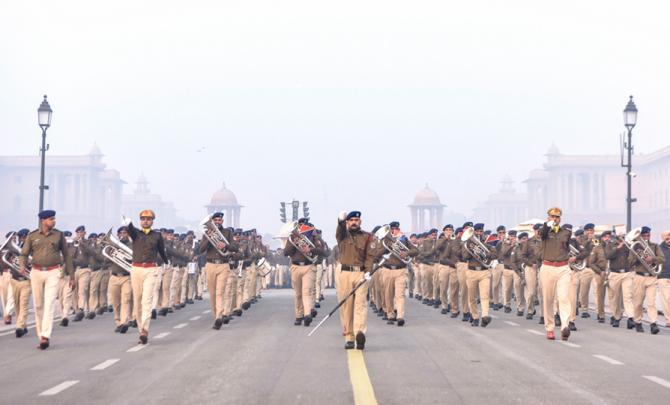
[
  {"x": 104, "y": 288},
  {"x": 302, "y": 279},
  {"x": 599, "y": 287},
  {"x": 478, "y": 281},
  {"x": 21, "y": 291},
  {"x": 354, "y": 311},
  {"x": 461, "y": 274},
  {"x": 319, "y": 280},
  {"x": 436, "y": 283},
  {"x": 645, "y": 290},
  {"x": 175, "y": 286},
  {"x": 165, "y": 283},
  {"x": 120, "y": 291},
  {"x": 530, "y": 275},
  {"x": 496, "y": 281},
  {"x": 664, "y": 290},
  {"x": 556, "y": 283},
  {"x": 511, "y": 279},
  {"x": 585, "y": 280},
  {"x": 143, "y": 280},
  {"x": 252, "y": 281},
  {"x": 448, "y": 286},
  {"x": 574, "y": 289},
  {"x": 427, "y": 280},
  {"x": 5, "y": 285},
  {"x": 82, "y": 279},
  {"x": 241, "y": 291},
  {"x": 45, "y": 288},
  {"x": 94, "y": 290},
  {"x": 65, "y": 296},
  {"x": 201, "y": 283},
  {"x": 377, "y": 289},
  {"x": 217, "y": 280},
  {"x": 394, "y": 291},
  {"x": 418, "y": 279},
  {"x": 615, "y": 294}
]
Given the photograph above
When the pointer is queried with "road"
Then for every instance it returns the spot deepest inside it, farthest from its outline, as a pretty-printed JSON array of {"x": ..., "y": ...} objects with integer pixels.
[{"x": 261, "y": 358}]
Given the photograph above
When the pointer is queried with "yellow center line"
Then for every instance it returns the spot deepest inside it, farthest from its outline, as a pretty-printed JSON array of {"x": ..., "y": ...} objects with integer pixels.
[{"x": 364, "y": 394}]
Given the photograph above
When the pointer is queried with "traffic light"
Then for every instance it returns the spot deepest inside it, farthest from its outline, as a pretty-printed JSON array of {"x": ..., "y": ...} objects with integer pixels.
[
  {"x": 282, "y": 212},
  {"x": 296, "y": 206},
  {"x": 305, "y": 210}
]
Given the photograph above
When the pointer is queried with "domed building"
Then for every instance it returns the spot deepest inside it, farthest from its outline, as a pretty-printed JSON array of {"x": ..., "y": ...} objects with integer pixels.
[
  {"x": 426, "y": 210},
  {"x": 225, "y": 201}
]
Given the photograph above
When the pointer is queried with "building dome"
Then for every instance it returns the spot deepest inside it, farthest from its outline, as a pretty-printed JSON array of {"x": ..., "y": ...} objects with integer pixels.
[
  {"x": 223, "y": 197},
  {"x": 553, "y": 150},
  {"x": 426, "y": 196}
]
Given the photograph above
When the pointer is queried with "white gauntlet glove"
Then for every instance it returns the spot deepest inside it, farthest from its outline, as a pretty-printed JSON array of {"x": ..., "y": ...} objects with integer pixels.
[
  {"x": 126, "y": 221},
  {"x": 342, "y": 216},
  {"x": 367, "y": 276}
]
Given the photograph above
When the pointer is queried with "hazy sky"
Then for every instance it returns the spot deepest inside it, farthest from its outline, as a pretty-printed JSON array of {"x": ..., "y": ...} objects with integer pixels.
[{"x": 348, "y": 104}]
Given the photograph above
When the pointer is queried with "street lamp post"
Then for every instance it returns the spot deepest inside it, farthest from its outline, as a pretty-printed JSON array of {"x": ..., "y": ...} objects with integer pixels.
[
  {"x": 629, "y": 119},
  {"x": 44, "y": 120}
]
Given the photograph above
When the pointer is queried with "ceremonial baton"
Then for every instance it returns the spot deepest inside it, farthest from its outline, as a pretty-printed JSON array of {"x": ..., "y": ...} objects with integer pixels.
[{"x": 352, "y": 292}]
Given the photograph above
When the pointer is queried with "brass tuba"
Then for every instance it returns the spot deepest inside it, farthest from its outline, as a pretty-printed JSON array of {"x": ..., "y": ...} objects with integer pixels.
[
  {"x": 114, "y": 250},
  {"x": 291, "y": 233},
  {"x": 576, "y": 266},
  {"x": 641, "y": 249},
  {"x": 396, "y": 247},
  {"x": 10, "y": 252},
  {"x": 476, "y": 247}
]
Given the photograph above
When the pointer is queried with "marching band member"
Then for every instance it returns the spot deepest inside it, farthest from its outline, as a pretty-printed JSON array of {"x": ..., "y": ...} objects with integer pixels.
[
  {"x": 531, "y": 258},
  {"x": 82, "y": 274},
  {"x": 427, "y": 260},
  {"x": 217, "y": 269},
  {"x": 147, "y": 246},
  {"x": 321, "y": 266},
  {"x": 448, "y": 252},
  {"x": 395, "y": 276},
  {"x": 498, "y": 271},
  {"x": 478, "y": 277},
  {"x": 303, "y": 272},
  {"x": 597, "y": 262},
  {"x": 588, "y": 275},
  {"x": 507, "y": 249},
  {"x": 20, "y": 286},
  {"x": 49, "y": 252},
  {"x": 357, "y": 255},
  {"x": 620, "y": 283},
  {"x": 641, "y": 259},
  {"x": 461, "y": 273},
  {"x": 664, "y": 277},
  {"x": 555, "y": 273},
  {"x": 120, "y": 288}
]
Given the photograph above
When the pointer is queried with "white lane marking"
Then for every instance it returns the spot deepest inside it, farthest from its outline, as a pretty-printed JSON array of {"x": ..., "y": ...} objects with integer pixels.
[
  {"x": 494, "y": 316},
  {"x": 104, "y": 364},
  {"x": 195, "y": 318},
  {"x": 608, "y": 359},
  {"x": 136, "y": 348},
  {"x": 60, "y": 387},
  {"x": 535, "y": 332},
  {"x": 510, "y": 323},
  {"x": 161, "y": 335},
  {"x": 564, "y": 343},
  {"x": 657, "y": 380},
  {"x": 181, "y": 325},
  {"x": 207, "y": 311}
]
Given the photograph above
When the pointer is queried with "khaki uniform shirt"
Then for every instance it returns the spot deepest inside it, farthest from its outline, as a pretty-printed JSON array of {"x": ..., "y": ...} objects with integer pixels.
[
  {"x": 356, "y": 248},
  {"x": 46, "y": 250}
]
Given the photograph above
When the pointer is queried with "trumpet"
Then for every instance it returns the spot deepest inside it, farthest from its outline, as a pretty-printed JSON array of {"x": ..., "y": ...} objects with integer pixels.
[
  {"x": 397, "y": 248},
  {"x": 213, "y": 234},
  {"x": 576, "y": 266},
  {"x": 476, "y": 247},
  {"x": 117, "y": 252},
  {"x": 10, "y": 256},
  {"x": 641, "y": 249}
]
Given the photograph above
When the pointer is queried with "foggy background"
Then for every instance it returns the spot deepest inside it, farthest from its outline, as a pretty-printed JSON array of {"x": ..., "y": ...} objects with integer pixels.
[{"x": 348, "y": 104}]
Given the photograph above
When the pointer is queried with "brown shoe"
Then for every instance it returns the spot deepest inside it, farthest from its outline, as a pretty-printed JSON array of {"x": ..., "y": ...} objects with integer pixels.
[
  {"x": 565, "y": 333},
  {"x": 144, "y": 337},
  {"x": 550, "y": 335}
]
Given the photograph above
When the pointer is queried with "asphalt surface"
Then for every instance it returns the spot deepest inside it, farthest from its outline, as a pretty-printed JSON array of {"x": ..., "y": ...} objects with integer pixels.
[{"x": 261, "y": 358}]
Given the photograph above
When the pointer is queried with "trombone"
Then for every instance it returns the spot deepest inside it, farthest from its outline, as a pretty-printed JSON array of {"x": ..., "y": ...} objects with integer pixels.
[
  {"x": 476, "y": 247},
  {"x": 641, "y": 249},
  {"x": 116, "y": 251}
]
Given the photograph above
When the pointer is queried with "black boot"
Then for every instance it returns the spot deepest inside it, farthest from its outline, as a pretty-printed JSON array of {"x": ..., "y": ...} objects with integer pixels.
[
  {"x": 475, "y": 322},
  {"x": 307, "y": 320},
  {"x": 455, "y": 314},
  {"x": 349, "y": 346},
  {"x": 360, "y": 341},
  {"x": 630, "y": 323},
  {"x": 91, "y": 315},
  {"x": 557, "y": 320},
  {"x": 508, "y": 309},
  {"x": 79, "y": 316},
  {"x": 217, "y": 323},
  {"x": 541, "y": 320},
  {"x": 124, "y": 328},
  {"x": 154, "y": 314},
  {"x": 298, "y": 321},
  {"x": 615, "y": 323},
  {"x": 64, "y": 322},
  {"x": 572, "y": 326},
  {"x": 444, "y": 311},
  {"x": 225, "y": 319},
  {"x": 401, "y": 322},
  {"x": 639, "y": 328},
  {"x": 485, "y": 321},
  {"x": 654, "y": 329}
]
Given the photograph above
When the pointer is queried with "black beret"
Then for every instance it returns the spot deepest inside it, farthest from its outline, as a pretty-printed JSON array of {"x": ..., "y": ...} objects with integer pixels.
[
  {"x": 92, "y": 236},
  {"x": 459, "y": 230},
  {"x": 512, "y": 233},
  {"x": 190, "y": 233},
  {"x": 170, "y": 231},
  {"x": 218, "y": 214},
  {"x": 8, "y": 234},
  {"x": 46, "y": 214},
  {"x": 448, "y": 226},
  {"x": 122, "y": 229},
  {"x": 23, "y": 232},
  {"x": 412, "y": 235},
  {"x": 162, "y": 230},
  {"x": 353, "y": 214},
  {"x": 537, "y": 226},
  {"x": 80, "y": 228},
  {"x": 523, "y": 235},
  {"x": 479, "y": 227},
  {"x": 467, "y": 224},
  {"x": 500, "y": 228},
  {"x": 567, "y": 226},
  {"x": 395, "y": 224},
  {"x": 303, "y": 221},
  {"x": 579, "y": 232},
  {"x": 589, "y": 226},
  {"x": 645, "y": 230},
  {"x": 432, "y": 231},
  {"x": 606, "y": 233},
  {"x": 238, "y": 230},
  {"x": 487, "y": 232},
  {"x": 67, "y": 233}
]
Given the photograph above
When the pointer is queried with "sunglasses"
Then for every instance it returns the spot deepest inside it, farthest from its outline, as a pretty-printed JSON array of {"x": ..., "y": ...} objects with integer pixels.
[{"x": 146, "y": 219}]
